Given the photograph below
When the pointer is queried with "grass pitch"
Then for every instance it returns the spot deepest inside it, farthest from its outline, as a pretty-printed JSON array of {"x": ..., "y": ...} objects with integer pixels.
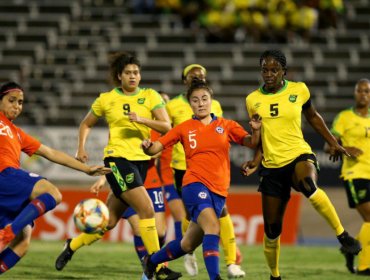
[{"x": 119, "y": 261}]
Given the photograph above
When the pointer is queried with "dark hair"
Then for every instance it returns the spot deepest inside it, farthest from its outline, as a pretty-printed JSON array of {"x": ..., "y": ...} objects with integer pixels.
[
  {"x": 118, "y": 62},
  {"x": 278, "y": 55},
  {"x": 363, "y": 80},
  {"x": 198, "y": 84},
  {"x": 8, "y": 86}
]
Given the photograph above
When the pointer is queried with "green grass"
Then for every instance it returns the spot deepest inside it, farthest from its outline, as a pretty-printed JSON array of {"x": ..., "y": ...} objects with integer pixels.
[{"x": 118, "y": 261}]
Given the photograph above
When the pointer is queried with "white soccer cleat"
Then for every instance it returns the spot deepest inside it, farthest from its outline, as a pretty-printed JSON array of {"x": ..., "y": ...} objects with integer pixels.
[
  {"x": 190, "y": 263},
  {"x": 234, "y": 271}
]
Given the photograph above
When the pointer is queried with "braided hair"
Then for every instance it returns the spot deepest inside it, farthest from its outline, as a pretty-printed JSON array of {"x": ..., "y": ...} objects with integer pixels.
[
  {"x": 278, "y": 55},
  {"x": 198, "y": 84}
]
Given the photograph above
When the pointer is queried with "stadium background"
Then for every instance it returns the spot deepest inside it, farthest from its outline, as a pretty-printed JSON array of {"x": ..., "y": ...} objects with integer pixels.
[{"x": 58, "y": 51}]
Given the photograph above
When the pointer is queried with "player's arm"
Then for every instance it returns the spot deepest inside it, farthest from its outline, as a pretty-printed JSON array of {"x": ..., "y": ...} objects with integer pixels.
[
  {"x": 85, "y": 126},
  {"x": 62, "y": 158},
  {"x": 352, "y": 151},
  {"x": 151, "y": 148},
  {"x": 317, "y": 122},
  {"x": 250, "y": 166},
  {"x": 160, "y": 123},
  {"x": 252, "y": 141}
]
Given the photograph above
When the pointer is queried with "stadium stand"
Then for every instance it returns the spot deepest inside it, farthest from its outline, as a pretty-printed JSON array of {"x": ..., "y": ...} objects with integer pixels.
[{"x": 58, "y": 51}]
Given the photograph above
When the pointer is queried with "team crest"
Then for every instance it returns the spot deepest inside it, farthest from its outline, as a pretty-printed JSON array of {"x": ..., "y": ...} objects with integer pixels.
[
  {"x": 141, "y": 100},
  {"x": 219, "y": 130},
  {"x": 293, "y": 98},
  {"x": 202, "y": 195},
  {"x": 130, "y": 178}
]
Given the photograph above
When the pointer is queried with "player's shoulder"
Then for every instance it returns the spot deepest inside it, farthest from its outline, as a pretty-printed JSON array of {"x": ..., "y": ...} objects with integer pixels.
[
  {"x": 253, "y": 94},
  {"x": 148, "y": 92},
  {"x": 297, "y": 86},
  {"x": 175, "y": 101},
  {"x": 347, "y": 113}
]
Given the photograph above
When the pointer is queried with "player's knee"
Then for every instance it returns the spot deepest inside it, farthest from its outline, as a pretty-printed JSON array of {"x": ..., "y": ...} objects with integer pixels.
[
  {"x": 273, "y": 231},
  {"x": 307, "y": 186}
]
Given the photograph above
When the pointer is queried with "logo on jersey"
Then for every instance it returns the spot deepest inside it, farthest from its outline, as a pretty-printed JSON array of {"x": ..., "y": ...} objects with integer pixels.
[
  {"x": 219, "y": 130},
  {"x": 141, "y": 100},
  {"x": 5, "y": 130},
  {"x": 293, "y": 98},
  {"x": 130, "y": 178},
  {"x": 257, "y": 105},
  {"x": 202, "y": 195}
]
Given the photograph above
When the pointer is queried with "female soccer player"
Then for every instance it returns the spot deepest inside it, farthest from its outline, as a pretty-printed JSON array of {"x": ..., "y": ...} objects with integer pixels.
[
  {"x": 288, "y": 160},
  {"x": 207, "y": 177},
  {"x": 24, "y": 196},
  {"x": 352, "y": 128},
  {"x": 131, "y": 112}
]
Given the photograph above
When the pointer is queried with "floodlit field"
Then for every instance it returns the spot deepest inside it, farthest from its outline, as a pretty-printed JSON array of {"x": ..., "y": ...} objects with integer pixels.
[{"x": 118, "y": 261}]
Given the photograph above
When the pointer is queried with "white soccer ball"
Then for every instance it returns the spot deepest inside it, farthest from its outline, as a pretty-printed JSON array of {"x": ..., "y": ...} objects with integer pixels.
[{"x": 91, "y": 215}]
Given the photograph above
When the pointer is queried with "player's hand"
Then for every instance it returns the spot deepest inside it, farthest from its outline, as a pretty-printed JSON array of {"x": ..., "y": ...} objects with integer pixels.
[
  {"x": 336, "y": 151},
  {"x": 249, "y": 167},
  {"x": 146, "y": 144},
  {"x": 82, "y": 156},
  {"x": 256, "y": 122},
  {"x": 96, "y": 187},
  {"x": 97, "y": 170},
  {"x": 133, "y": 117},
  {"x": 354, "y": 152}
]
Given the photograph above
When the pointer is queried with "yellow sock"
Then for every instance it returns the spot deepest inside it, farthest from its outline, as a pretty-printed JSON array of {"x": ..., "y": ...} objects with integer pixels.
[
  {"x": 321, "y": 202},
  {"x": 84, "y": 239},
  {"x": 149, "y": 235},
  {"x": 227, "y": 237},
  {"x": 364, "y": 255},
  {"x": 271, "y": 249},
  {"x": 184, "y": 225}
]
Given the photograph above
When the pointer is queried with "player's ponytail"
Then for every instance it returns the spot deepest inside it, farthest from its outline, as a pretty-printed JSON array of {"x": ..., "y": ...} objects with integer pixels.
[{"x": 198, "y": 84}]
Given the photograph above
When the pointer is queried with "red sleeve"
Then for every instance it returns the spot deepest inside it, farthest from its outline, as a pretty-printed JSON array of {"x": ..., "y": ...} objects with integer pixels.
[
  {"x": 171, "y": 137},
  {"x": 236, "y": 132},
  {"x": 29, "y": 145},
  {"x": 154, "y": 135}
]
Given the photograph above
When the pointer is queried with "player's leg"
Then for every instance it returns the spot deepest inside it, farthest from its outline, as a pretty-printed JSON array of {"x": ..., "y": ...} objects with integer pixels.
[
  {"x": 176, "y": 207},
  {"x": 305, "y": 178},
  {"x": 16, "y": 249},
  {"x": 228, "y": 243}
]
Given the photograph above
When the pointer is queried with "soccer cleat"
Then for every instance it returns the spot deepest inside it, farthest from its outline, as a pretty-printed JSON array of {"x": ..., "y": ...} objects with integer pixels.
[
  {"x": 349, "y": 244},
  {"x": 239, "y": 256},
  {"x": 234, "y": 271},
  {"x": 148, "y": 267},
  {"x": 6, "y": 236},
  {"x": 164, "y": 273},
  {"x": 190, "y": 263},
  {"x": 143, "y": 277},
  {"x": 218, "y": 277},
  {"x": 275, "y": 278},
  {"x": 365, "y": 272},
  {"x": 65, "y": 256},
  {"x": 349, "y": 260}
]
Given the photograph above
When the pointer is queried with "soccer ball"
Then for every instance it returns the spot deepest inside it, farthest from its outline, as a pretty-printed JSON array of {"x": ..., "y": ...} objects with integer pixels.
[{"x": 91, "y": 215}]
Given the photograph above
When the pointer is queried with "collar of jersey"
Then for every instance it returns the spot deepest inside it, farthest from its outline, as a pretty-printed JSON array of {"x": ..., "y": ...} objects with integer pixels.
[
  {"x": 280, "y": 90},
  {"x": 354, "y": 111},
  {"x": 214, "y": 117},
  {"x": 120, "y": 91}
]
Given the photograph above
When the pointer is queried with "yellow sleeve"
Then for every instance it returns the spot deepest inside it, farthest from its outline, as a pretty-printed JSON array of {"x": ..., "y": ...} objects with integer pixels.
[
  {"x": 339, "y": 125},
  {"x": 97, "y": 108},
  {"x": 156, "y": 100},
  {"x": 305, "y": 93},
  {"x": 216, "y": 108}
]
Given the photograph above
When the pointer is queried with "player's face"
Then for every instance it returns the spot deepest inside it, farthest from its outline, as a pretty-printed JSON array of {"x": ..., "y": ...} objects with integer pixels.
[
  {"x": 362, "y": 94},
  {"x": 272, "y": 74},
  {"x": 11, "y": 104},
  {"x": 195, "y": 73},
  {"x": 130, "y": 78},
  {"x": 200, "y": 102}
]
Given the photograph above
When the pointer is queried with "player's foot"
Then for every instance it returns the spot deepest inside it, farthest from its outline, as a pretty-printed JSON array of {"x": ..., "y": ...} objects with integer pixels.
[
  {"x": 6, "y": 236},
  {"x": 349, "y": 244},
  {"x": 234, "y": 271},
  {"x": 164, "y": 273},
  {"x": 148, "y": 267},
  {"x": 218, "y": 277},
  {"x": 275, "y": 278},
  {"x": 350, "y": 258},
  {"x": 239, "y": 256},
  {"x": 365, "y": 272},
  {"x": 65, "y": 256},
  {"x": 143, "y": 277},
  {"x": 190, "y": 263}
]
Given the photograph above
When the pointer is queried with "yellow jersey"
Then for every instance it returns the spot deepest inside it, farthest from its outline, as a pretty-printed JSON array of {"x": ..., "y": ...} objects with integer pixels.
[
  {"x": 179, "y": 110},
  {"x": 125, "y": 137},
  {"x": 281, "y": 131},
  {"x": 354, "y": 131}
]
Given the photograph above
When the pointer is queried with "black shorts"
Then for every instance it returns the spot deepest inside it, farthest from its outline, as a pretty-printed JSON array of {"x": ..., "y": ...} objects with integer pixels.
[
  {"x": 125, "y": 174},
  {"x": 179, "y": 175},
  {"x": 278, "y": 182},
  {"x": 358, "y": 191}
]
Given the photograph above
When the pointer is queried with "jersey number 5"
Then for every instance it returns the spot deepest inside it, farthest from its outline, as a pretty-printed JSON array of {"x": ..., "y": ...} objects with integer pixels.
[
  {"x": 192, "y": 141},
  {"x": 126, "y": 109},
  {"x": 274, "y": 109}
]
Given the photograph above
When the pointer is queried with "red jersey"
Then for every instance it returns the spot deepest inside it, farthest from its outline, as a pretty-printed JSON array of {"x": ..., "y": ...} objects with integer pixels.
[
  {"x": 165, "y": 169},
  {"x": 13, "y": 140},
  {"x": 207, "y": 150},
  {"x": 152, "y": 179}
]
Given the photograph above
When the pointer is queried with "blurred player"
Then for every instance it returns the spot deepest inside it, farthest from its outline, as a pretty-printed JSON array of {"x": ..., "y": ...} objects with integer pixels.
[
  {"x": 24, "y": 196},
  {"x": 352, "y": 128},
  {"x": 288, "y": 160}
]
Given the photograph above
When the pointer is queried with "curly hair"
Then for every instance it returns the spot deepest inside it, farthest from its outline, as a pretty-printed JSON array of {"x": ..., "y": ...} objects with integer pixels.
[{"x": 118, "y": 62}]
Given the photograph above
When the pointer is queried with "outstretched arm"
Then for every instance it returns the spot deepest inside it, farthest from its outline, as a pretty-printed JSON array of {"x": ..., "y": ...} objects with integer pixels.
[{"x": 87, "y": 123}]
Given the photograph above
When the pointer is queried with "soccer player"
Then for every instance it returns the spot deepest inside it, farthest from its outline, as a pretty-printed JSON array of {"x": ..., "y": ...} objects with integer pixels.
[
  {"x": 179, "y": 111},
  {"x": 131, "y": 112},
  {"x": 205, "y": 185},
  {"x": 352, "y": 128},
  {"x": 288, "y": 160},
  {"x": 24, "y": 196}
]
